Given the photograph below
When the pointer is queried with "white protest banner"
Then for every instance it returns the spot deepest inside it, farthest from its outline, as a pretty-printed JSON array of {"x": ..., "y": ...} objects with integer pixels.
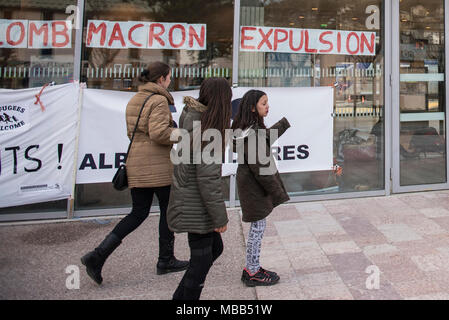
[
  {"x": 35, "y": 34},
  {"x": 306, "y": 146},
  {"x": 144, "y": 34},
  {"x": 103, "y": 140},
  {"x": 37, "y": 143},
  {"x": 294, "y": 40}
]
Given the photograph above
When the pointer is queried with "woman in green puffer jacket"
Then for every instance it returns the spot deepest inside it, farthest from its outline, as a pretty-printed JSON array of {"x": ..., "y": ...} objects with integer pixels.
[{"x": 196, "y": 200}]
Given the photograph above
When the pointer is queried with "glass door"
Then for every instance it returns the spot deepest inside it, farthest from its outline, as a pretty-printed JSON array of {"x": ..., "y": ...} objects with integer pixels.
[{"x": 419, "y": 95}]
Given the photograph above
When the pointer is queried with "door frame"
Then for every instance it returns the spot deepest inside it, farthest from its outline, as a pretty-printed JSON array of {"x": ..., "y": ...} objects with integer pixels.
[{"x": 395, "y": 100}]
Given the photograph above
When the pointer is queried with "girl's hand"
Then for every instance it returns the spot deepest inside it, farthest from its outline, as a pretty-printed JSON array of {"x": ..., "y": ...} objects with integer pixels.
[{"x": 221, "y": 229}]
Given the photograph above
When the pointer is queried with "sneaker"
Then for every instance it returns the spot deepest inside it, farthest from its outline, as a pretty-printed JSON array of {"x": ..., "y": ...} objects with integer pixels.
[{"x": 260, "y": 278}]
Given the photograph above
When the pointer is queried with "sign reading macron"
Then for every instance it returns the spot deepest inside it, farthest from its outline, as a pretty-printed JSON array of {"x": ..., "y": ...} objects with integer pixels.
[
  {"x": 294, "y": 40},
  {"x": 145, "y": 35}
]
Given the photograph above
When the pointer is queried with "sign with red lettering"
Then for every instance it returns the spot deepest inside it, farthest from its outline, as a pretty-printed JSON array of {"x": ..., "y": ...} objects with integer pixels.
[
  {"x": 146, "y": 35},
  {"x": 13, "y": 33},
  {"x": 35, "y": 34},
  {"x": 293, "y": 40}
]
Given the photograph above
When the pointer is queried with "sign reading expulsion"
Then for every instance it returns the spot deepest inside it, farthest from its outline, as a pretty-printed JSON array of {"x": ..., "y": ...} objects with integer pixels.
[
  {"x": 292, "y": 40},
  {"x": 146, "y": 35}
]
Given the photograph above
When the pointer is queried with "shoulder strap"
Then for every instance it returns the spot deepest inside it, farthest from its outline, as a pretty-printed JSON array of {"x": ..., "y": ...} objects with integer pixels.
[{"x": 137, "y": 123}]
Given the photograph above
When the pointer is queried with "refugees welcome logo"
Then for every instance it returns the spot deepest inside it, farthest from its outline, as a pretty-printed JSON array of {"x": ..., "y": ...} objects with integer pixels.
[{"x": 12, "y": 117}]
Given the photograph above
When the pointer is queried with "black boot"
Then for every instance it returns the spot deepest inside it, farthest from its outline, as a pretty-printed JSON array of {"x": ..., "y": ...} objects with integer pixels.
[
  {"x": 187, "y": 293},
  {"x": 94, "y": 260},
  {"x": 167, "y": 261}
]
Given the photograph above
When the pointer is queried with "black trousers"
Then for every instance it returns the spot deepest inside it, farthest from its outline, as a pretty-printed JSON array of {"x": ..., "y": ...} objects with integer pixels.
[
  {"x": 204, "y": 250},
  {"x": 142, "y": 199}
]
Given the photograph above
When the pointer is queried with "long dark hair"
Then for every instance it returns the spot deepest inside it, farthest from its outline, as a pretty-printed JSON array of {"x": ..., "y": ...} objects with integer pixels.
[
  {"x": 245, "y": 117},
  {"x": 216, "y": 94},
  {"x": 154, "y": 71}
]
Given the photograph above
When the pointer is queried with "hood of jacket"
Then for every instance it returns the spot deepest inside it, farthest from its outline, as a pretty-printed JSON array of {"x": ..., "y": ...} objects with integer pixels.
[
  {"x": 192, "y": 112},
  {"x": 193, "y": 104},
  {"x": 152, "y": 87}
]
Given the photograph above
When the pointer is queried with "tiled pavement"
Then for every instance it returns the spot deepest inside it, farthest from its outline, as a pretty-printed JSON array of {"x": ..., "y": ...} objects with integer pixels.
[
  {"x": 333, "y": 249},
  {"x": 321, "y": 250}
]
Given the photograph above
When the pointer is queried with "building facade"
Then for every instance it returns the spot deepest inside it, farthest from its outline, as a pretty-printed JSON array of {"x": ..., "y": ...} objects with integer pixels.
[{"x": 389, "y": 102}]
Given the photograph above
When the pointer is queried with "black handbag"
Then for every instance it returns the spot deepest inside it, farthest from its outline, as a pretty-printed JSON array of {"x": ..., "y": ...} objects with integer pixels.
[{"x": 120, "y": 179}]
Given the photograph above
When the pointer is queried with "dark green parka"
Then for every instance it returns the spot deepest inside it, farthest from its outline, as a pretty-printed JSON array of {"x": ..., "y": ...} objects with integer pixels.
[{"x": 196, "y": 199}]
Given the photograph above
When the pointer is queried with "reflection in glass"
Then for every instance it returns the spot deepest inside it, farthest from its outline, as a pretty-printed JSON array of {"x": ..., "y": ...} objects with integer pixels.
[
  {"x": 358, "y": 81},
  {"x": 117, "y": 69},
  {"x": 25, "y": 67},
  {"x": 422, "y": 93}
]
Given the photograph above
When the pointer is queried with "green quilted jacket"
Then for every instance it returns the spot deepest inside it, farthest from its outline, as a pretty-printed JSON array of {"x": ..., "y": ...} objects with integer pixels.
[{"x": 196, "y": 199}]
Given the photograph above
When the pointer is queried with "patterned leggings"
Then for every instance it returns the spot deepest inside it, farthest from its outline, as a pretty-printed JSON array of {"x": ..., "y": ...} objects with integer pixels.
[{"x": 253, "y": 246}]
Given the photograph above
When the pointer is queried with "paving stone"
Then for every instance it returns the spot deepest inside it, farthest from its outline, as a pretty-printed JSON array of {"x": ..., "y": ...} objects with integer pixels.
[
  {"x": 416, "y": 288},
  {"x": 434, "y": 212},
  {"x": 385, "y": 292},
  {"x": 432, "y": 296},
  {"x": 432, "y": 262},
  {"x": 351, "y": 267},
  {"x": 310, "y": 207},
  {"x": 371, "y": 250},
  {"x": 340, "y": 247},
  {"x": 398, "y": 232},
  {"x": 293, "y": 230}
]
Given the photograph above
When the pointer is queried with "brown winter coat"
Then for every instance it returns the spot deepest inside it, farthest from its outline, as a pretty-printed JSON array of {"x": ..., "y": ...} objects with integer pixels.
[
  {"x": 260, "y": 194},
  {"x": 148, "y": 164}
]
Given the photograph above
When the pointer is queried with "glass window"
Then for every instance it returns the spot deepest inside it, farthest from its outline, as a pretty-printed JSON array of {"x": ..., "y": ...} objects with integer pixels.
[
  {"x": 358, "y": 80},
  {"x": 207, "y": 25},
  {"x": 193, "y": 37},
  {"x": 422, "y": 93},
  {"x": 37, "y": 44}
]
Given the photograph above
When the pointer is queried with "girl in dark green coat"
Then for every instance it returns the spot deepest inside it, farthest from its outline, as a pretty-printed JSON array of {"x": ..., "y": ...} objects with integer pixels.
[
  {"x": 196, "y": 201},
  {"x": 259, "y": 184}
]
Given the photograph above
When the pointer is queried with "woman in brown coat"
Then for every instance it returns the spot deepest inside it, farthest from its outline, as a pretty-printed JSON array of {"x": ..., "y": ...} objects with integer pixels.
[
  {"x": 260, "y": 187},
  {"x": 149, "y": 170}
]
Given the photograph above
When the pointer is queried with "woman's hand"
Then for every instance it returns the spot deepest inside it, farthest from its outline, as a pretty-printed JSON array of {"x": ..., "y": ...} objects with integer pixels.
[{"x": 221, "y": 229}]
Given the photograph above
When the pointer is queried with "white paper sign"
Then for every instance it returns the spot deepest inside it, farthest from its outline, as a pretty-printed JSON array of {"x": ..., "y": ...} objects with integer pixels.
[
  {"x": 309, "y": 41},
  {"x": 144, "y": 34}
]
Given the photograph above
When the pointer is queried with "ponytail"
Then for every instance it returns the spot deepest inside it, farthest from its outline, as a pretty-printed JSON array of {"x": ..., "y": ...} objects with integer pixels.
[{"x": 154, "y": 71}]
